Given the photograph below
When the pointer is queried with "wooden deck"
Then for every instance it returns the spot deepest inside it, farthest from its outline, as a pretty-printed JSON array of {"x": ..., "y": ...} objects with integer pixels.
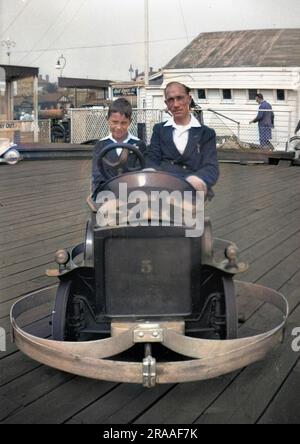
[{"x": 42, "y": 208}]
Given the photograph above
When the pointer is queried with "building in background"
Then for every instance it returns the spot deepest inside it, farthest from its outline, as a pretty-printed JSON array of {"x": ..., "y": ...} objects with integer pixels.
[
  {"x": 86, "y": 92},
  {"x": 225, "y": 70}
]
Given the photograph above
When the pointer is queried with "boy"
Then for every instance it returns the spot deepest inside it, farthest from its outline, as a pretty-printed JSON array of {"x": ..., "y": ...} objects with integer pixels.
[{"x": 119, "y": 120}]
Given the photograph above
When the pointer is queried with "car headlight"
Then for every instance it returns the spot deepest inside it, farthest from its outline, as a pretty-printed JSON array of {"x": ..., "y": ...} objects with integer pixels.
[
  {"x": 62, "y": 257},
  {"x": 12, "y": 157}
]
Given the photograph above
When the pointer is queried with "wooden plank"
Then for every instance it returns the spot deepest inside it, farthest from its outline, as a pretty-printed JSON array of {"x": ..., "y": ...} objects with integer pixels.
[
  {"x": 47, "y": 230},
  {"x": 62, "y": 403},
  {"x": 67, "y": 201},
  {"x": 15, "y": 396},
  {"x": 14, "y": 366},
  {"x": 54, "y": 180},
  {"x": 263, "y": 229},
  {"x": 285, "y": 407},
  {"x": 42, "y": 236},
  {"x": 241, "y": 190},
  {"x": 131, "y": 399},
  {"x": 255, "y": 217},
  {"x": 18, "y": 257},
  {"x": 281, "y": 268},
  {"x": 265, "y": 245},
  {"x": 244, "y": 401},
  {"x": 52, "y": 215},
  {"x": 251, "y": 196}
]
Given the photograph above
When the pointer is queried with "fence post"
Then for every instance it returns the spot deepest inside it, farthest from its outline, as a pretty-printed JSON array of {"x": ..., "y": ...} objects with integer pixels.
[
  {"x": 289, "y": 131},
  {"x": 142, "y": 132},
  {"x": 71, "y": 125},
  {"x": 49, "y": 130}
]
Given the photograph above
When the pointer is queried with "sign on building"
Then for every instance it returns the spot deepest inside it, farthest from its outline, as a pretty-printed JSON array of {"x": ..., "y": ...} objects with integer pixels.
[
  {"x": 10, "y": 126},
  {"x": 123, "y": 92}
]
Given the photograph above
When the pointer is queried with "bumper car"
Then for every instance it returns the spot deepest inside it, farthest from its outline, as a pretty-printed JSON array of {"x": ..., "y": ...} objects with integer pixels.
[
  {"x": 8, "y": 152},
  {"x": 145, "y": 303}
]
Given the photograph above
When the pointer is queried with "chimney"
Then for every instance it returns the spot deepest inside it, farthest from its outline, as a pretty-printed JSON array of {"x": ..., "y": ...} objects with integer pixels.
[
  {"x": 47, "y": 78},
  {"x": 136, "y": 73},
  {"x": 151, "y": 70}
]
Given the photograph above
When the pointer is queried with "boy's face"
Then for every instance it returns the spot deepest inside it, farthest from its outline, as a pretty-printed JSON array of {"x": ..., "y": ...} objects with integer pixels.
[{"x": 118, "y": 125}]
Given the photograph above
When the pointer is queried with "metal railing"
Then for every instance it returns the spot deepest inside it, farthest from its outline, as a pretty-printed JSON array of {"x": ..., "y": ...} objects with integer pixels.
[
  {"x": 226, "y": 118},
  {"x": 234, "y": 130},
  {"x": 88, "y": 124},
  {"x": 231, "y": 125}
]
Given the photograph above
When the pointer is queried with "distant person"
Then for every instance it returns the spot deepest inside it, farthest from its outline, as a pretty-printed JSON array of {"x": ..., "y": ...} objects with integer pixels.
[
  {"x": 119, "y": 121},
  {"x": 265, "y": 120},
  {"x": 182, "y": 145}
]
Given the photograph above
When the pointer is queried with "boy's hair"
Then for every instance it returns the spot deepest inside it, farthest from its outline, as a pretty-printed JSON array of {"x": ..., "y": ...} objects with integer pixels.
[
  {"x": 260, "y": 96},
  {"x": 121, "y": 106}
]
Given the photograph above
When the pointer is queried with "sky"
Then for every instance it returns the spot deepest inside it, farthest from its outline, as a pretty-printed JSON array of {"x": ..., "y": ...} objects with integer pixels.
[{"x": 100, "y": 39}]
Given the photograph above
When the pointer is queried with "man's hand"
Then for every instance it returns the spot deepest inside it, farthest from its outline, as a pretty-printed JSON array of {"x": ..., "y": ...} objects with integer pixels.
[{"x": 197, "y": 183}]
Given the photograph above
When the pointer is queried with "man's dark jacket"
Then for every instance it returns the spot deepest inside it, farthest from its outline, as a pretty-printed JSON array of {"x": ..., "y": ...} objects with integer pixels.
[
  {"x": 98, "y": 179},
  {"x": 199, "y": 158},
  {"x": 265, "y": 116}
]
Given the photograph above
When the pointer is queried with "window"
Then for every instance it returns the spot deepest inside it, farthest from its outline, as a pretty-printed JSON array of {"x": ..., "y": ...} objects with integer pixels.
[
  {"x": 252, "y": 93},
  {"x": 100, "y": 94},
  {"x": 202, "y": 94},
  {"x": 280, "y": 94},
  {"x": 227, "y": 94}
]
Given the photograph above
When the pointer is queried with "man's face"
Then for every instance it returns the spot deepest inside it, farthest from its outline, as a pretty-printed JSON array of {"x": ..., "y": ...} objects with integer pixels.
[
  {"x": 178, "y": 101},
  {"x": 118, "y": 125}
]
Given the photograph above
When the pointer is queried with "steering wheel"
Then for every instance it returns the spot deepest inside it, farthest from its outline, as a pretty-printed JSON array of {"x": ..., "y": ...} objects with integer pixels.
[{"x": 121, "y": 165}]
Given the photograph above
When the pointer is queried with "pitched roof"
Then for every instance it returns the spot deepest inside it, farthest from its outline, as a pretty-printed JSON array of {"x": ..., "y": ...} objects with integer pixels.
[{"x": 255, "y": 48}]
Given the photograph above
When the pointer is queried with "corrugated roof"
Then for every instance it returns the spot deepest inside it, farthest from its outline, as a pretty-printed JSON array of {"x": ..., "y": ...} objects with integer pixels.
[{"x": 255, "y": 48}]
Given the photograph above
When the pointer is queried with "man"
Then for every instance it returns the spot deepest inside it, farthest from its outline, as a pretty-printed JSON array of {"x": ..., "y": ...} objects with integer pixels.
[
  {"x": 265, "y": 119},
  {"x": 182, "y": 145},
  {"x": 119, "y": 120}
]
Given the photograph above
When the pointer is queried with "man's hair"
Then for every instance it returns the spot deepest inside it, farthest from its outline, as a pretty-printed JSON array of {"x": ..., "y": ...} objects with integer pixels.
[
  {"x": 121, "y": 106},
  {"x": 260, "y": 96},
  {"x": 186, "y": 88}
]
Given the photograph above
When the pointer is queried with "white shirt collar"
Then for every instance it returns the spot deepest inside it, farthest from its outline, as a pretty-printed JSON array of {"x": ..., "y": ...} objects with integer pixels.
[
  {"x": 194, "y": 123},
  {"x": 129, "y": 137}
]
